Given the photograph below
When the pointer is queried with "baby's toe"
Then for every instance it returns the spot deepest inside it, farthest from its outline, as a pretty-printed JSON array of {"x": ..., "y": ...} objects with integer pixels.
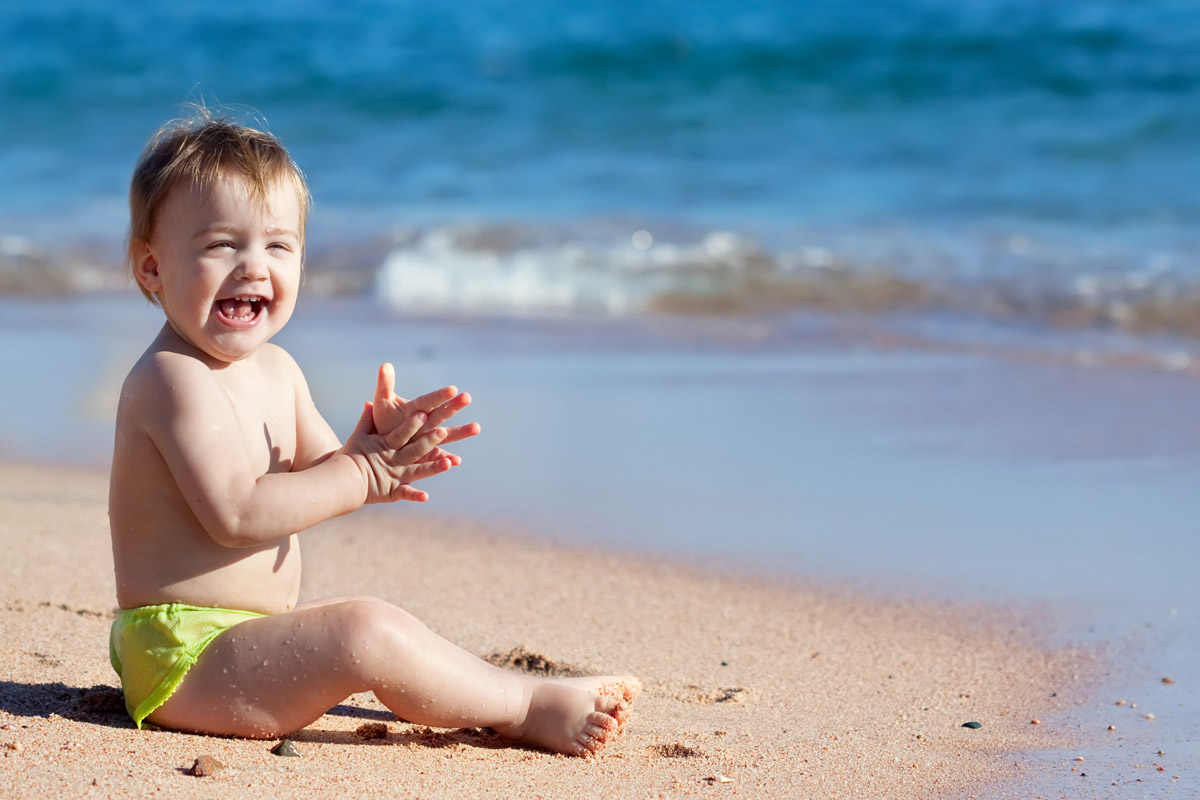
[
  {"x": 608, "y": 722},
  {"x": 599, "y": 731},
  {"x": 592, "y": 744}
]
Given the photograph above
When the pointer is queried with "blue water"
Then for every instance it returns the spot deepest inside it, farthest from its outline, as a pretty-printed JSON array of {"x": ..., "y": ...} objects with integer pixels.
[{"x": 1043, "y": 146}]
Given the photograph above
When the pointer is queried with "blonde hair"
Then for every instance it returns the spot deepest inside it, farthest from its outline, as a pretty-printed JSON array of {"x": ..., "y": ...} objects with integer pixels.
[{"x": 200, "y": 151}]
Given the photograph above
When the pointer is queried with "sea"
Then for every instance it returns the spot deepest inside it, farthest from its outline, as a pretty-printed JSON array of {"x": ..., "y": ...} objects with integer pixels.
[{"x": 902, "y": 293}]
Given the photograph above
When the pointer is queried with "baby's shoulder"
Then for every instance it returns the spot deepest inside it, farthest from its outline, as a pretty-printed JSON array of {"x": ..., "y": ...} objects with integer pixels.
[
  {"x": 161, "y": 369},
  {"x": 273, "y": 356},
  {"x": 277, "y": 366}
]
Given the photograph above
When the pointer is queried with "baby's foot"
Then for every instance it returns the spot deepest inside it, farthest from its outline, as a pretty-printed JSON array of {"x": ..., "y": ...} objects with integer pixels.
[
  {"x": 623, "y": 688},
  {"x": 566, "y": 719}
]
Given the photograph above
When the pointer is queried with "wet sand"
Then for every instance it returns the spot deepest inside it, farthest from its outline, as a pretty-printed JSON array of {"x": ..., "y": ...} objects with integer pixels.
[
  {"x": 1032, "y": 504},
  {"x": 754, "y": 688}
]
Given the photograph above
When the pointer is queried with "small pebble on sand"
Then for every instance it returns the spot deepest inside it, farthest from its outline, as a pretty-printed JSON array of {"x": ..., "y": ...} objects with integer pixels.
[
  {"x": 1168, "y": 680},
  {"x": 1112, "y": 727},
  {"x": 1035, "y": 722},
  {"x": 1120, "y": 702},
  {"x": 1150, "y": 716},
  {"x": 285, "y": 748},
  {"x": 204, "y": 766},
  {"x": 972, "y": 725},
  {"x": 718, "y": 778},
  {"x": 15, "y": 747}
]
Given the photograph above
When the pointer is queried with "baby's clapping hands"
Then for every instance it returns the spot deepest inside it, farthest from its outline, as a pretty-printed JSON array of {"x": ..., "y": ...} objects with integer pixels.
[{"x": 392, "y": 414}]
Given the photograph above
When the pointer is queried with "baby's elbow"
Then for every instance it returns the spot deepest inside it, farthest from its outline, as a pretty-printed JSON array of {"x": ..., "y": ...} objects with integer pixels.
[{"x": 231, "y": 530}]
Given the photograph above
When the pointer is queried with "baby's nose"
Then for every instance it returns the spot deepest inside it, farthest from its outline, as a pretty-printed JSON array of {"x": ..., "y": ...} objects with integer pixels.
[{"x": 251, "y": 267}]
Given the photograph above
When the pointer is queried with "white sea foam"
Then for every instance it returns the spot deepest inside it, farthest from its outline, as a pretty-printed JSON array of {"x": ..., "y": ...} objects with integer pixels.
[{"x": 446, "y": 270}]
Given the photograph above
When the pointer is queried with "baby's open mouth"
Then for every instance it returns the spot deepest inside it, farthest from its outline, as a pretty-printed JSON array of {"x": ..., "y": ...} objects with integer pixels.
[{"x": 241, "y": 309}]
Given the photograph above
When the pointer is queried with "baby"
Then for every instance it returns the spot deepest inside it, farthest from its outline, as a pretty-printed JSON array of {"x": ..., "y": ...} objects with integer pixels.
[{"x": 221, "y": 458}]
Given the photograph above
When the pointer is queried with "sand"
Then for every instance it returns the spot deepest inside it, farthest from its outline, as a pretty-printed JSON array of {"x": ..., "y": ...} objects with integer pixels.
[{"x": 755, "y": 687}]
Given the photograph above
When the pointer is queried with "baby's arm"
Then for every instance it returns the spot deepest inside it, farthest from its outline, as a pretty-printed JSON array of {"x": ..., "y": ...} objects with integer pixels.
[
  {"x": 196, "y": 428},
  {"x": 389, "y": 411}
]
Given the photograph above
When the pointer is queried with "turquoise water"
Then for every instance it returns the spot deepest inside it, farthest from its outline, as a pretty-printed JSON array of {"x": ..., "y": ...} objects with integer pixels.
[{"x": 1001, "y": 153}]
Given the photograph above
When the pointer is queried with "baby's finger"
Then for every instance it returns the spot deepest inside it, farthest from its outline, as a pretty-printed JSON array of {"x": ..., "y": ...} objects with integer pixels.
[
  {"x": 427, "y": 469},
  {"x": 421, "y": 446},
  {"x": 385, "y": 384},
  {"x": 366, "y": 423},
  {"x": 448, "y": 409},
  {"x": 437, "y": 453},
  {"x": 459, "y": 432},
  {"x": 428, "y": 402},
  {"x": 405, "y": 431},
  {"x": 406, "y": 492}
]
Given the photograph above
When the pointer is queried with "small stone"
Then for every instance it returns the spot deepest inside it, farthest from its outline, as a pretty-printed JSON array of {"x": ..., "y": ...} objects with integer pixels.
[
  {"x": 718, "y": 778},
  {"x": 1112, "y": 727},
  {"x": 205, "y": 766},
  {"x": 1035, "y": 722},
  {"x": 1149, "y": 716},
  {"x": 15, "y": 747},
  {"x": 372, "y": 730},
  {"x": 285, "y": 748},
  {"x": 1120, "y": 702},
  {"x": 1168, "y": 680},
  {"x": 1080, "y": 758},
  {"x": 972, "y": 725}
]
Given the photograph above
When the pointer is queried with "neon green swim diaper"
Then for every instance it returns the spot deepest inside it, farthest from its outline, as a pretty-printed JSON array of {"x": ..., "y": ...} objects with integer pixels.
[{"x": 153, "y": 647}]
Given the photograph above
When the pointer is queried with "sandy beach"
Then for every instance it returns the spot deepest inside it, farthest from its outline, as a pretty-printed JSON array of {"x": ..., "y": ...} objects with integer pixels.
[{"x": 753, "y": 688}]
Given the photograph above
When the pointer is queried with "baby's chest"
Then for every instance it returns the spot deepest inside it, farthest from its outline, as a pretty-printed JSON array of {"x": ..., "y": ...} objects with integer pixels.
[{"x": 269, "y": 431}]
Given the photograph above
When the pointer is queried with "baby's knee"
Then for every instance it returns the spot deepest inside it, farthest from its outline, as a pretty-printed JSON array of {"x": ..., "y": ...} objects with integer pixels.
[{"x": 365, "y": 620}]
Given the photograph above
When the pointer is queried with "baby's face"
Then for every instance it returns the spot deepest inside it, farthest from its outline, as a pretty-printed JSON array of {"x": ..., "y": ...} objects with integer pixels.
[{"x": 225, "y": 269}]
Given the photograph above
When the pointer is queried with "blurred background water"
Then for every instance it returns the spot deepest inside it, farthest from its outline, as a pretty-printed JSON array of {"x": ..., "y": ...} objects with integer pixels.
[
  {"x": 902, "y": 292},
  {"x": 1014, "y": 159}
]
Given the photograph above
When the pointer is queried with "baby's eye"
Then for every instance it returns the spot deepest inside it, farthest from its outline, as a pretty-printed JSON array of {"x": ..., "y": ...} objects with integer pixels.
[{"x": 222, "y": 243}]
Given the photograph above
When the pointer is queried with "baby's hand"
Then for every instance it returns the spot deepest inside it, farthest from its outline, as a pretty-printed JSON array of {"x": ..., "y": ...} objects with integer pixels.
[
  {"x": 390, "y": 411},
  {"x": 392, "y": 461}
]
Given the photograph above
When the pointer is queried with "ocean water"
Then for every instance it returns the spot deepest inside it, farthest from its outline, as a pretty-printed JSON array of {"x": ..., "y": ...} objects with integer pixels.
[
  {"x": 997, "y": 159},
  {"x": 902, "y": 293}
]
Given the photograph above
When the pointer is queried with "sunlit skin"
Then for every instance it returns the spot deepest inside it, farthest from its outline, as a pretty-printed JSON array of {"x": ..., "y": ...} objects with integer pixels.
[{"x": 221, "y": 458}]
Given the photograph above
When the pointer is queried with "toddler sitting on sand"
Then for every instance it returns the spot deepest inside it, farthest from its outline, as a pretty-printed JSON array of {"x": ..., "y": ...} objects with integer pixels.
[{"x": 221, "y": 458}]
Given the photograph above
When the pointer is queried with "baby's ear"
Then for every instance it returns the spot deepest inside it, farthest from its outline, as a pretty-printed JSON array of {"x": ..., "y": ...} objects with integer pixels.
[{"x": 145, "y": 265}]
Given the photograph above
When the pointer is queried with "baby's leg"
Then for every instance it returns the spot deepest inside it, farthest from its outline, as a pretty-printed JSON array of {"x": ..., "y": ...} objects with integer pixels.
[
  {"x": 624, "y": 688},
  {"x": 274, "y": 675}
]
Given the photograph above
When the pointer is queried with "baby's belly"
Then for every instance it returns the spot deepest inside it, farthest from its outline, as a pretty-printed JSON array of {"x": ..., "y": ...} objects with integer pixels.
[{"x": 265, "y": 580}]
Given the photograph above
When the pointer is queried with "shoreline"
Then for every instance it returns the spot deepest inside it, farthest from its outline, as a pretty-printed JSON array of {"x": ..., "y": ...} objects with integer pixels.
[
  {"x": 786, "y": 689},
  {"x": 967, "y": 481}
]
